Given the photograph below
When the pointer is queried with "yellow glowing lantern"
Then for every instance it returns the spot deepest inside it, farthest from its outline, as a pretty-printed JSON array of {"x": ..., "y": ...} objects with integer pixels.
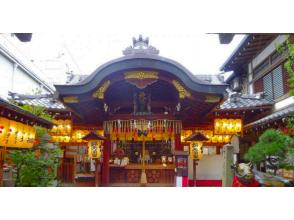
[
  {"x": 25, "y": 136},
  {"x": 11, "y": 136},
  {"x": 31, "y": 136},
  {"x": 19, "y": 135},
  {"x": 15, "y": 134},
  {"x": 227, "y": 126},
  {"x": 227, "y": 138},
  {"x": 77, "y": 135},
  {"x": 61, "y": 131},
  {"x": 94, "y": 144},
  {"x": 4, "y": 129},
  {"x": 196, "y": 150},
  {"x": 54, "y": 129},
  {"x": 196, "y": 139}
]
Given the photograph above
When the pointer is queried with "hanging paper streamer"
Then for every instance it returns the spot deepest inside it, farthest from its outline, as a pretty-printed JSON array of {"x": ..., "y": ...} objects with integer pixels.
[{"x": 127, "y": 130}]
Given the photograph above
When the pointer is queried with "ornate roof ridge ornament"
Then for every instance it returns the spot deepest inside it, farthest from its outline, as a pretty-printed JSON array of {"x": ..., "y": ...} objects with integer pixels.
[{"x": 140, "y": 46}]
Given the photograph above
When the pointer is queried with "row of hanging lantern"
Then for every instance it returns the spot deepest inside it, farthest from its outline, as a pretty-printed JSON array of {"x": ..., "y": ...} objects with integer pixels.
[
  {"x": 61, "y": 128},
  {"x": 16, "y": 134},
  {"x": 60, "y": 139},
  {"x": 61, "y": 131},
  {"x": 212, "y": 138},
  {"x": 76, "y": 136},
  {"x": 225, "y": 126},
  {"x": 127, "y": 130}
]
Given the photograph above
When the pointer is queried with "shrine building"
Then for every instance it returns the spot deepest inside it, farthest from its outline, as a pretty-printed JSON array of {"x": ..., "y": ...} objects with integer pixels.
[{"x": 147, "y": 109}]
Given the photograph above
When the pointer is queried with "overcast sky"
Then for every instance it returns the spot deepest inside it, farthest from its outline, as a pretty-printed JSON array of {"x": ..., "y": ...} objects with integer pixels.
[{"x": 200, "y": 53}]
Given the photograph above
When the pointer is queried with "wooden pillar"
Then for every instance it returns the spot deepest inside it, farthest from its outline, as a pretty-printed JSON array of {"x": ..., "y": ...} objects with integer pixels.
[
  {"x": 194, "y": 172},
  {"x": 105, "y": 164},
  {"x": 2, "y": 159},
  {"x": 291, "y": 38},
  {"x": 97, "y": 176},
  {"x": 1, "y": 166},
  {"x": 178, "y": 144}
]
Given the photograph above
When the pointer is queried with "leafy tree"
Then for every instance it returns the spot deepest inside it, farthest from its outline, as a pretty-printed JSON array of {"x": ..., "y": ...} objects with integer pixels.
[
  {"x": 270, "y": 143},
  {"x": 38, "y": 111},
  {"x": 36, "y": 170},
  {"x": 288, "y": 48},
  {"x": 288, "y": 162}
]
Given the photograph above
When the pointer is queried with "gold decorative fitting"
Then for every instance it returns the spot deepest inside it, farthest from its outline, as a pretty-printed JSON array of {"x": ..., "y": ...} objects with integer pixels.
[
  {"x": 183, "y": 93},
  {"x": 141, "y": 75},
  {"x": 71, "y": 99},
  {"x": 212, "y": 99},
  {"x": 100, "y": 92}
]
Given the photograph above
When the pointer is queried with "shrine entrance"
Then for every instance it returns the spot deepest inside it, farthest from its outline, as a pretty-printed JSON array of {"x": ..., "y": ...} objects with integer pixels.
[{"x": 141, "y": 102}]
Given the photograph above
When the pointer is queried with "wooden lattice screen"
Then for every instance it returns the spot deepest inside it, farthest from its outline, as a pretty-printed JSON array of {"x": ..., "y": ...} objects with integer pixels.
[
  {"x": 278, "y": 82},
  {"x": 268, "y": 87}
]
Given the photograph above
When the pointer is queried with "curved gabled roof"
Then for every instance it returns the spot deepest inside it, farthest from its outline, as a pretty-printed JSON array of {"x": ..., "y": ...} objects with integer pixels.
[
  {"x": 142, "y": 56},
  {"x": 142, "y": 61}
]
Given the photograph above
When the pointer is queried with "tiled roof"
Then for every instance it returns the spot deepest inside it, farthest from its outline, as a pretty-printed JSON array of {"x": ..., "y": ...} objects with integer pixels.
[
  {"x": 238, "y": 101},
  {"x": 74, "y": 79},
  {"x": 46, "y": 101},
  {"x": 13, "y": 110},
  {"x": 272, "y": 117},
  {"x": 216, "y": 79}
]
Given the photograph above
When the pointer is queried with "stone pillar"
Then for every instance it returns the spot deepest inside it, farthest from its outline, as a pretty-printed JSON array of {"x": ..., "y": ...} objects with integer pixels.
[
  {"x": 105, "y": 164},
  {"x": 228, "y": 174},
  {"x": 235, "y": 141}
]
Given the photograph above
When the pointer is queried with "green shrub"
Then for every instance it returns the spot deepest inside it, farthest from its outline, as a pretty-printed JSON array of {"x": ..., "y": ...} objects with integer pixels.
[{"x": 271, "y": 143}]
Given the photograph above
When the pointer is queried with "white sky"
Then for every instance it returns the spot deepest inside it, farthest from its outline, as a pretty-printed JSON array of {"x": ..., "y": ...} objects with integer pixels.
[{"x": 200, "y": 53}]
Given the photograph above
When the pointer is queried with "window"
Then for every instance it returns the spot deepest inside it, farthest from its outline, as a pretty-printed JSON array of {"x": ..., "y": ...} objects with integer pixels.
[
  {"x": 261, "y": 67},
  {"x": 268, "y": 87},
  {"x": 278, "y": 82},
  {"x": 275, "y": 56},
  {"x": 273, "y": 84}
]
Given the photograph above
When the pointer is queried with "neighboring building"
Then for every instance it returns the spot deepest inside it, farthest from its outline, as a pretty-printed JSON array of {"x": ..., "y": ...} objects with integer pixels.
[
  {"x": 258, "y": 70},
  {"x": 18, "y": 74}
]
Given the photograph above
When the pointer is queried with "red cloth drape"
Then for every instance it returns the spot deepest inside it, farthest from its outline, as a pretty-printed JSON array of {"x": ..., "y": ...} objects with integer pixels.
[{"x": 238, "y": 183}]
